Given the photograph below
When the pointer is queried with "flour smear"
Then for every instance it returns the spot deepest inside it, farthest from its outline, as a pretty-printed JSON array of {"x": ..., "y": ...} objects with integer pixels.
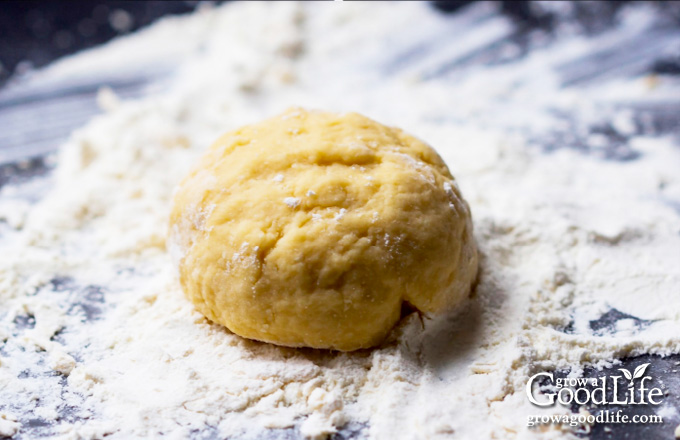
[{"x": 97, "y": 339}]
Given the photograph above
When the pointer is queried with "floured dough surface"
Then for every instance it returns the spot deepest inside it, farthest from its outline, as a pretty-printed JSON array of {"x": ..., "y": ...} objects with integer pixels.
[
  {"x": 97, "y": 339},
  {"x": 312, "y": 228}
]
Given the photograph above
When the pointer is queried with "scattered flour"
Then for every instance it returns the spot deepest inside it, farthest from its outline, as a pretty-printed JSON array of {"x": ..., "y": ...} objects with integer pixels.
[
  {"x": 96, "y": 338},
  {"x": 340, "y": 214},
  {"x": 292, "y": 202}
]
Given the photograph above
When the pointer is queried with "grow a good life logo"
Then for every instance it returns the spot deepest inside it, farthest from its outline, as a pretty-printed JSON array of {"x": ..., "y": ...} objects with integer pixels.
[
  {"x": 615, "y": 390},
  {"x": 605, "y": 390}
]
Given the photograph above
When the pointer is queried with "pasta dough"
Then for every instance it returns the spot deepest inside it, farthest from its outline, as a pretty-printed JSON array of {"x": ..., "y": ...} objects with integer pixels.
[{"x": 313, "y": 228}]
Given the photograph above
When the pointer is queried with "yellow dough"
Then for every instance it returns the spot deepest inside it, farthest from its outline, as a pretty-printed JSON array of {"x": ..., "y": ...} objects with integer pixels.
[{"x": 311, "y": 229}]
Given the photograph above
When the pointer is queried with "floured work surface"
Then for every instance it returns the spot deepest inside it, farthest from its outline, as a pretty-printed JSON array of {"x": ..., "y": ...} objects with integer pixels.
[{"x": 563, "y": 143}]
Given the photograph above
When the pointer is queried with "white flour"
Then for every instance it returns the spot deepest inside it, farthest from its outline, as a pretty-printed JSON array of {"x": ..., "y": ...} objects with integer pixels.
[{"x": 109, "y": 346}]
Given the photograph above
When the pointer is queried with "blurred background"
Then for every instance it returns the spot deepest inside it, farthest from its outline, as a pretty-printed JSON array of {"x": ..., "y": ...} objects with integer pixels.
[
  {"x": 37, "y": 113},
  {"x": 34, "y": 32}
]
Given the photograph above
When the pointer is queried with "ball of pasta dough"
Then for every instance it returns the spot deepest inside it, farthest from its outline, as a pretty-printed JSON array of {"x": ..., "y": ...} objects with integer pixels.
[{"x": 311, "y": 229}]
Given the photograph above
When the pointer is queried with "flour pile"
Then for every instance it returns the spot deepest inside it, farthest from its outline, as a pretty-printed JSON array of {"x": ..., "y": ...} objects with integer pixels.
[{"x": 97, "y": 339}]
